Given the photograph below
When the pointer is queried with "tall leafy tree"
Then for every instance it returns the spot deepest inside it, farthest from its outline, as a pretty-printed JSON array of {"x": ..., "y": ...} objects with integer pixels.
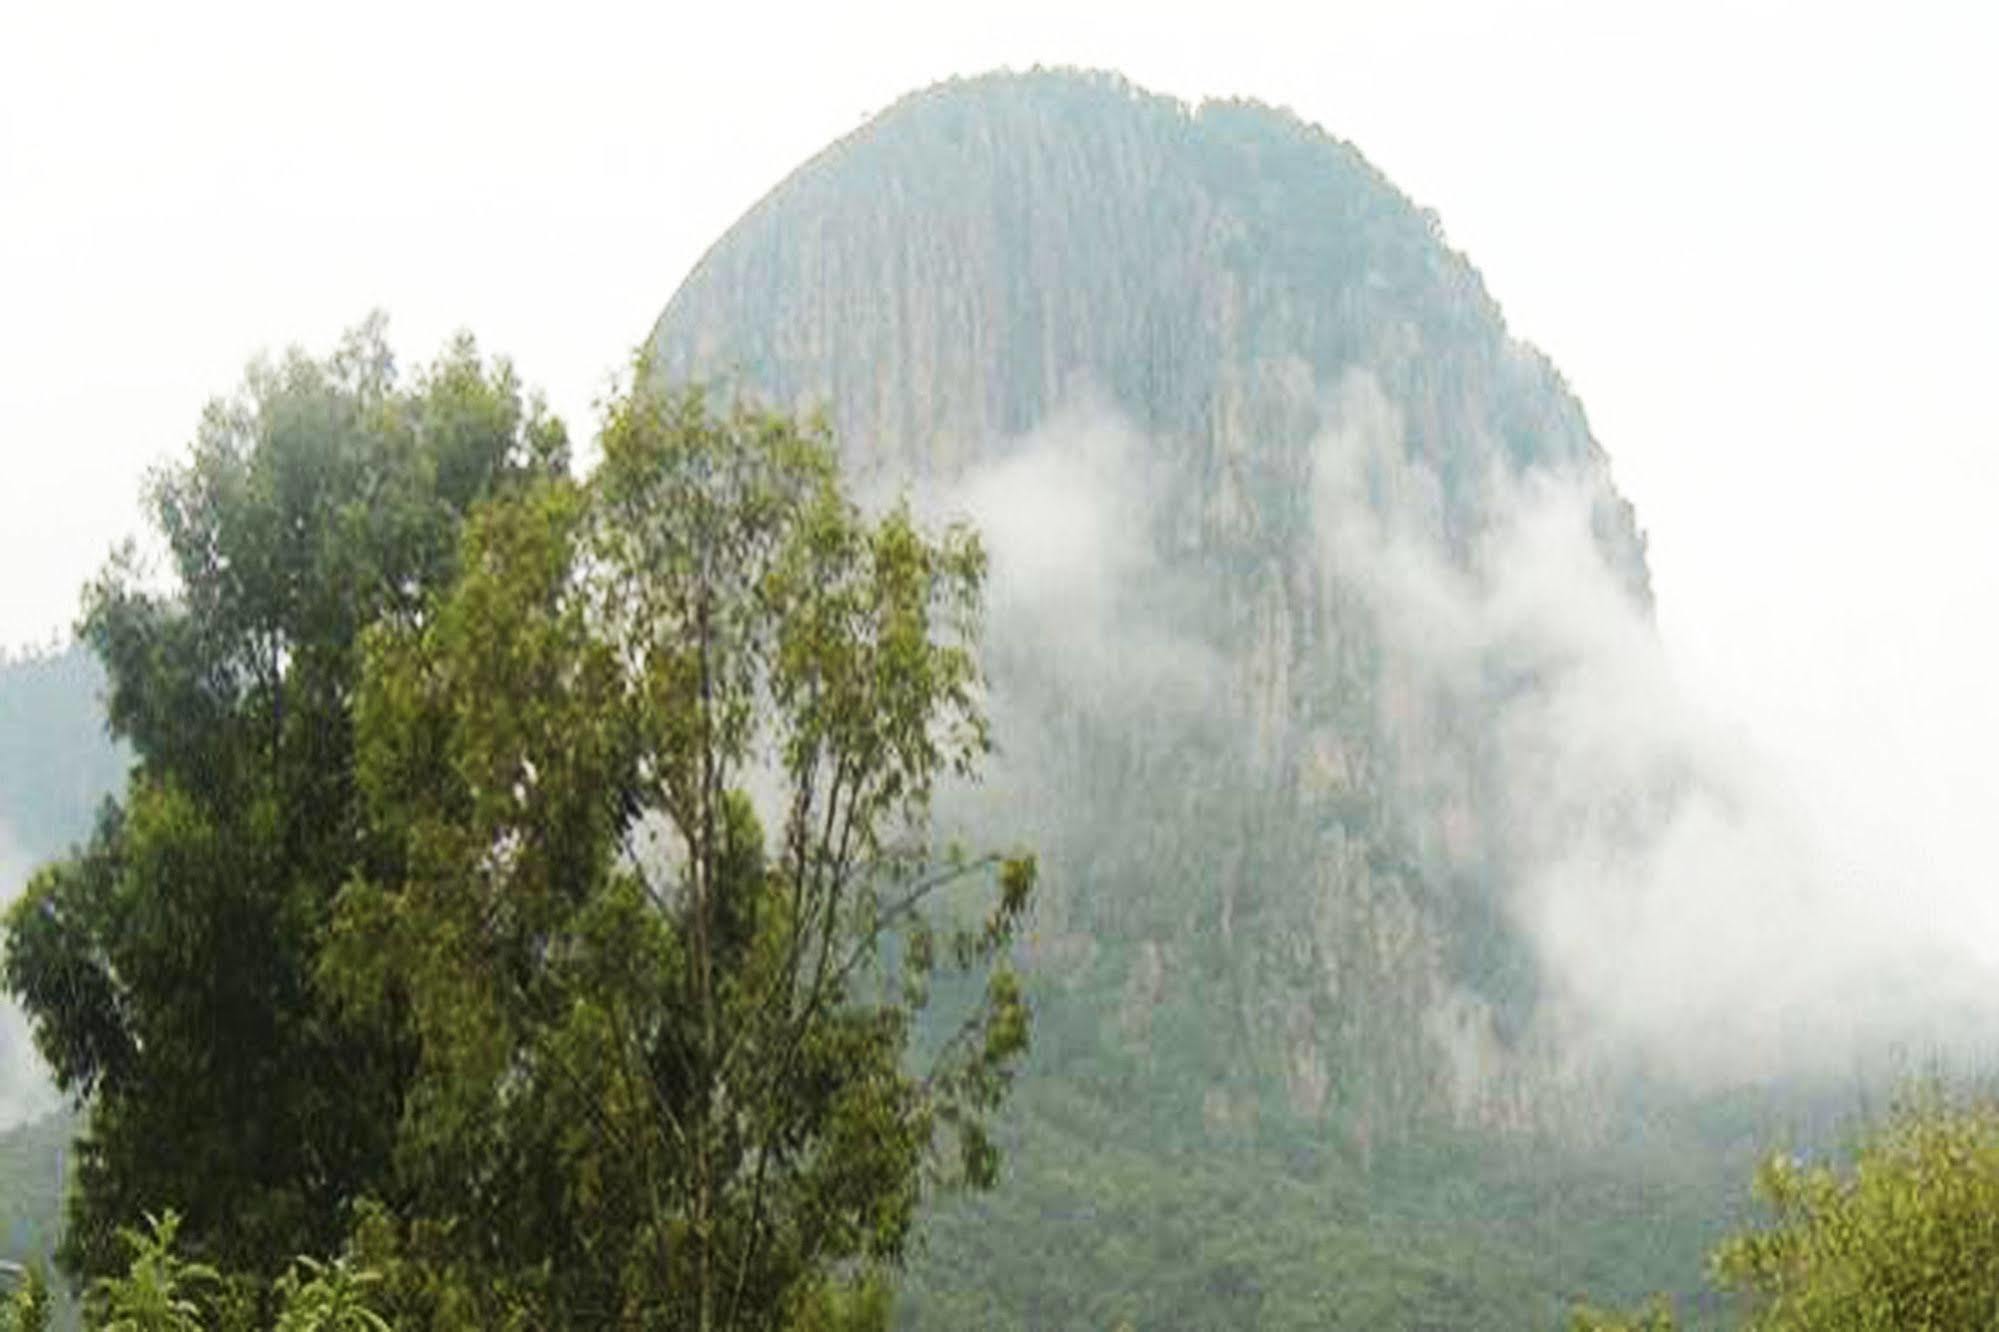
[
  {"x": 168, "y": 967},
  {"x": 675, "y": 1072}
]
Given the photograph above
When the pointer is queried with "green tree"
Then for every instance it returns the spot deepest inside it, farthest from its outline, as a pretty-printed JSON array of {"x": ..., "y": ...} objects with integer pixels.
[
  {"x": 168, "y": 966},
  {"x": 672, "y": 1073},
  {"x": 1906, "y": 1238}
]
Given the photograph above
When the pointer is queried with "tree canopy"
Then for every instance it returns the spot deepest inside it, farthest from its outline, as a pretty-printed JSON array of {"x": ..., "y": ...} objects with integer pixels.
[
  {"x": 437, "y": 927},
  {"x": 168, "y": 966},
  {"x": 668, "y": 1060}
]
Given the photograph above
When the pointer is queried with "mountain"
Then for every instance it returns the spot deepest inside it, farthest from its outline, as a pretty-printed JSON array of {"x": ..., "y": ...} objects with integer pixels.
[
  {"x": 57, "y": 762},
  {"x": 1305, "y": 570},
  {"x": 1221, "y": 331}
]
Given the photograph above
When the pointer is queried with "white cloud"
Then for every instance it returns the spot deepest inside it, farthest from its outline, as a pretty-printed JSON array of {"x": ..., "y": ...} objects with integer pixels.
[
  {"x": 1078, "y": 600},
  {"x": 1696, "y": 903}
]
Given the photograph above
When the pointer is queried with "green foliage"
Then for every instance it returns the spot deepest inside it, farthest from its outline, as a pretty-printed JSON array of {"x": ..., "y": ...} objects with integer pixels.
[
  {"x": 28, "y": 1309},
  {"x": 328, "y": 1297},
  {"x": 167, "y": 966},
  {"x": 861, "y": 1304},
  {"x": 665, "y": 1066},
  {"x": 426, "y": 1283},
  {"x": 160, "y": 1291},
  {"x": 1908, "y": 1237}
]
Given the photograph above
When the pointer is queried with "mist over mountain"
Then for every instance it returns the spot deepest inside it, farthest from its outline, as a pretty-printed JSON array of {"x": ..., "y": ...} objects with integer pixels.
[
  {"x": 1300, "y": 560},
  {"x": 1322, "y": 655}
]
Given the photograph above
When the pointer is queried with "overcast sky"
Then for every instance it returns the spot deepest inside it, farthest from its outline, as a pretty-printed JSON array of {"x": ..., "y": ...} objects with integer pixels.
[{"x": 1760, "y": 241}]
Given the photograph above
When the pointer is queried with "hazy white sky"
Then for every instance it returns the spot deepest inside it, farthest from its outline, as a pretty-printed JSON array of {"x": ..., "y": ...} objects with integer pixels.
[{"x": 1762, "y": 241}]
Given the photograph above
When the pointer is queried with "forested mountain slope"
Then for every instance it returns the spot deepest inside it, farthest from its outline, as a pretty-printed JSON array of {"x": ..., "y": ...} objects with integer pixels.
[
  {"x": 57, "y": 763},
  {"x": 56, "y": 759},
  {"x": 1198, "y": 371}
]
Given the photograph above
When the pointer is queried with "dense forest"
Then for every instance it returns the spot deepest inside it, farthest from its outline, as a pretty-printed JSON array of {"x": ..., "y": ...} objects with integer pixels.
[{"x": 1016, "y": 792}]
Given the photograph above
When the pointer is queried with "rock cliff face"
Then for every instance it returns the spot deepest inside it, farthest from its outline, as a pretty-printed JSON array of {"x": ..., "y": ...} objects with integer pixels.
[{"x": 1251, "y": 445}]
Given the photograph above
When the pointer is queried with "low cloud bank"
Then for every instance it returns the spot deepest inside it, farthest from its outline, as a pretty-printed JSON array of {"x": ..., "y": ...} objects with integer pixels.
[
  {"x": 1709, "y": 901},
  {"x": 1068, "y": 514},
  {"x": 1696, "y": 906}
]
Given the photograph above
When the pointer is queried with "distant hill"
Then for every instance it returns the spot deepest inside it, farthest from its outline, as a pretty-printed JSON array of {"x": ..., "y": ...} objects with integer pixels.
[
  {"x": 34, "y": 1161},
  {"x": 57, "y": 764},
  {"x": 56, "y": 760},
  {"x": 33, "y": 1157}
]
